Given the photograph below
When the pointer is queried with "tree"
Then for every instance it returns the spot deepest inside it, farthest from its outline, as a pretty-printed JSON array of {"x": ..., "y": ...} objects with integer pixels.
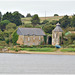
[
  {"x": 14, "y": 37},
  {"x": 17, "y": 19},
  {"x": 3, "y": 24},
  {"x": 73, "y": 21},
  {"x": 11, "y": 26},
  {"x": 13, "y": 17},
  {"x": 35, "y": 20},
  {"x": 0, "y": 16},
  {"x": 56, "y": 15},
  {"x": 28, "y": 15},
  {"x": 65, "y": 21},
  {"x": 45, "y": 21},
  {"x": 48, "y": 28},
  {"x": 8, "y": 16},
  {"x": 53, "y": 22},
  {"x": 1, "y": 35},
  {"x": 16, "y": 12}
]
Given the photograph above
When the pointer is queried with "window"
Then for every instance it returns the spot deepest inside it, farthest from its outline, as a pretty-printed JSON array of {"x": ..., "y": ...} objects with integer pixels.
[
  {"x": 28, "y": 38},
  {"x": 39, "y": 38},
  {"x": 33, "y": 37}
]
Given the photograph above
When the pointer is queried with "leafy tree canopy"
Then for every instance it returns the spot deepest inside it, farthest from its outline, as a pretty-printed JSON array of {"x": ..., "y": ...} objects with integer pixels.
[
  {"x": 13, "y": 17},
  {"x": 28, "y": 15},
  {"x": 65, "y": 21},
  {"x": 56, "y": 15},
  {"x": 3, "y": 24},
  {"x": 48, "y": 28},
  {"x": 35, "y": 20}
]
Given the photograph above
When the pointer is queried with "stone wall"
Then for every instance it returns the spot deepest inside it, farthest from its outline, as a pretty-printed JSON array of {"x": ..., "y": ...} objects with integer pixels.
[
  {"x": 56, "y": 37},
  {"x": 30, "y": 40}
]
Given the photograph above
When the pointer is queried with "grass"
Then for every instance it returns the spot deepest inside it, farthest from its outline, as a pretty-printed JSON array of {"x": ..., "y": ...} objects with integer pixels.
[
  {"x": 68, "y": 50},
  {"x": 27, "y": 20},
  {"x": 36, "y": 49}
]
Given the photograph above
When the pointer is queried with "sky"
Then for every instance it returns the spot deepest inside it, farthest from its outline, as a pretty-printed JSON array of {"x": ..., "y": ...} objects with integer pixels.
[{"x": 41, "y": 7}]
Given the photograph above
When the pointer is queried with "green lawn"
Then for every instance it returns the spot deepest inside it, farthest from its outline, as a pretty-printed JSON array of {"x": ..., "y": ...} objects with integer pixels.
[
  {"x": 35, "y": 49},
  {"x": 68, "y": 50}
]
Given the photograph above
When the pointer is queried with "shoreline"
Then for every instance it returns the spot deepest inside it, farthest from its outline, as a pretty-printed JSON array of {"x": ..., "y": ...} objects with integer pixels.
[{"x": 29, "y": 52}]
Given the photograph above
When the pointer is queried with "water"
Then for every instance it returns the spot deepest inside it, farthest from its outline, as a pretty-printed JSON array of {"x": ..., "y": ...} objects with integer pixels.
[{"x": 36, "y": 64}]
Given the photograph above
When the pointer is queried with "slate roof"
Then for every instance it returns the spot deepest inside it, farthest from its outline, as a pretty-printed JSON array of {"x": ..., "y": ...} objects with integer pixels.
[
  {"x": 30, "y": 31},
  {"x": 58, "y": 28}
]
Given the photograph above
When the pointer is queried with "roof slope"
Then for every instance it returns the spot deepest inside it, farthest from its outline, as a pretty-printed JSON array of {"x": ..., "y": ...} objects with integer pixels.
[
  {"x": 58, "y": 29},
  {"x": 30, "y": 31}
]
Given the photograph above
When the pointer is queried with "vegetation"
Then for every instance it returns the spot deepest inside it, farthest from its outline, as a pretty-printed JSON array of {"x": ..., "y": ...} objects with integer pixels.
[
  {"x": 56, "y": 15},
  {"x": 35, "y": 20},
  {"x": 68, "y": 50},
  {"x": 35, "y": 49},
  {"x": 9, "y": 22}
]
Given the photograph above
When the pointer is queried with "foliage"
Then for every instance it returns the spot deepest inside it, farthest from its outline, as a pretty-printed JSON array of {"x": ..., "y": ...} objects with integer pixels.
[
  {"x": 48, "y": 28},
  {"x": 14, "y": 37},
  {"x": 16, "y": 12},
  {"x": 1, "y": 35},
  {"x": 17, "y": 19},
  {"x": 35, "y": 20},
  {"x": 53, "y": 22},
  {"x": 73, "y": 21},
  {"x": 0, "y": 16},
  {"x": 11, "y": 26},
  {"x": 45, "y": 39},
  {"x": 3, "y": 24},
  {"x": 7, "y": 41},
  {"x": 37, "y": 46},
  {"x": 65, "y": 21},
  {"x": 56, "y": 15},
  {"x": 13, "y": 17},
  {"x": 28, "y": 15},
  {"x": 45, "y": 21},
  {"x": 36, "y": 49}
]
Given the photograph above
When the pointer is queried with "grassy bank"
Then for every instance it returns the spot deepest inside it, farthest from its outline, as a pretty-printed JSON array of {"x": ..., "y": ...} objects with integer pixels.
[
  {"x": 35, "y": 49},
  {"x": 68, "y": 50}
]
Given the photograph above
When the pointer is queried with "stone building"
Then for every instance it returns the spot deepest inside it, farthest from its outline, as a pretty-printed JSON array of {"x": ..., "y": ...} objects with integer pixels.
[
  {"x": 30, "y": 36},
  {"x": 57, "y": 35}
]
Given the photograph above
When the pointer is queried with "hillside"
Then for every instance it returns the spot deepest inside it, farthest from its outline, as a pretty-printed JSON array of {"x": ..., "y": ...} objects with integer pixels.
[{"x": 28, "y": 19}]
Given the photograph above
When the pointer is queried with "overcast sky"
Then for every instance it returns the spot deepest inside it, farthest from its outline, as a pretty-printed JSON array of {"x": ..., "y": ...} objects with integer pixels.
[{"x": 51, "y": 7}]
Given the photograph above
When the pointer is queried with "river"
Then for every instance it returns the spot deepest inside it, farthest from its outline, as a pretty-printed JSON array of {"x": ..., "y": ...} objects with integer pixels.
[{"x": 36, "y": 64}]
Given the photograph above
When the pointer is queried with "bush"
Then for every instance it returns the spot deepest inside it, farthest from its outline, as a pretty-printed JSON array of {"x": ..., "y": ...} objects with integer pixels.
[{"x": 37, "y": 46}]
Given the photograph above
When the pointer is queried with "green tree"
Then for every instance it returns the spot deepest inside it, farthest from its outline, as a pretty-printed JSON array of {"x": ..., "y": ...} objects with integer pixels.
[
  {"x": 16, "y": 12},
  {"x": 48, "y": 28},
  {"x": 35, "y": 20},
  {"x": 28, "y": 15},
  {"x": 73, "y": 21},
  {"x": 3, "y": 24},
  {"x": 8, "y": 16},
  {"x": 0, "y": 16},
  {"x": 65, "y": 21},
  {"x": 1, "y": 35},
  {"x": 11, "y": 26},
  {"x": 14, "y": 37},
  {"x": 45, "y": 21},
  {"x": 17, "y": 19},
  {"x": 56, "y": 15},
  {"x": 13, "y": 17}
]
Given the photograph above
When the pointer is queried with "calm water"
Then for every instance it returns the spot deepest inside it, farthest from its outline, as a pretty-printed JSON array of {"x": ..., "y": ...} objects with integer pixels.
[{"x": 36, "y": 63}]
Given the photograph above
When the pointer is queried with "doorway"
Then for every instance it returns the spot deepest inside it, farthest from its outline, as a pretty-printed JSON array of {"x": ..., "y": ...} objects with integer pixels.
[{"x": 50, "y": 40}]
